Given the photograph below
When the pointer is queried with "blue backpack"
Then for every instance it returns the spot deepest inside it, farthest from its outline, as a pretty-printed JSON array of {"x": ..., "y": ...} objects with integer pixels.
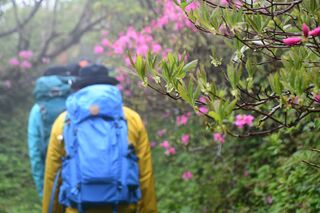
[
  {"x": 50, "y": 93},
  {"x": 100, "y": 167}
]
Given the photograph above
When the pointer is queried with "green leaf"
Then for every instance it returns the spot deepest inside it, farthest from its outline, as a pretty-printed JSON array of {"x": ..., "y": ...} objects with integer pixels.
[
  {"x": 275, "y": 83},
  {"x": 215, "y": 116},
  {"x": 250, "y": 68},
  {"x": 252, "y": 23},
  {"x": 182, "y": 90},
  {"x": 190, "y": 66},
  {"x": 230, "y": 107}
]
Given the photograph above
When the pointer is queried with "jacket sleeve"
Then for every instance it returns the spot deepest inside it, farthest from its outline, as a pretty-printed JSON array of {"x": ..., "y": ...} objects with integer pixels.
[
  {"x": 34, "y": 145},
  {"x": 148, "y": 203},
  {"x": 53, "y": 164}
]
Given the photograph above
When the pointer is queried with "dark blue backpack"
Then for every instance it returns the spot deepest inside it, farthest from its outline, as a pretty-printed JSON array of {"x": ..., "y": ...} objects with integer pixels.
[
  {"x": 50, "y": 93},
  {"x": 100, "y": 167}
]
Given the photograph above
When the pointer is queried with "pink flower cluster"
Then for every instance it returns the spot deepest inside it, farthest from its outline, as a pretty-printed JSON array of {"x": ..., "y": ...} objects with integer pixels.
[
  {"x": 161, "y": 132},
  {"x": 170, "y": 150},
  {"x": 317, "y": 98},
  {"x": 140, "y": 42},
  {"x": 218, "y": 137},
  {"x": 202, "y": 109},
  {"x": 242, "y": 120},
  {"x": 173, "y": 14},
  {"x": 229, "y": 3},
  {"x": 23, "y": 61},
  {"x": 291, "y": 41},
  {"x": 153, "y": 144},
  {"x": 187, "y": 175},
  {"x": 185, "y": 139},
  {"x": 183, "y": 119}
]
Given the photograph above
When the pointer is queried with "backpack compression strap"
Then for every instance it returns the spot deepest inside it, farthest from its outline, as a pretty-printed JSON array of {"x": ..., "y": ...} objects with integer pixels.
[{"x": 54, "y": 189}]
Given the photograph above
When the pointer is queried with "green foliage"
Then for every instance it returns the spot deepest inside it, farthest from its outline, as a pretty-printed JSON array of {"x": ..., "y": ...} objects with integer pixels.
[
  {"x": 252, "y": 175},
  {"x": 267, "y": 76},
  {"x": 17, "y": 190}
]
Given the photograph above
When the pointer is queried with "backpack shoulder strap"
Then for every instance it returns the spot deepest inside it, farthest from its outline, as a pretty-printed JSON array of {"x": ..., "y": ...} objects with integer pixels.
[{"x": 54, "y": 190}]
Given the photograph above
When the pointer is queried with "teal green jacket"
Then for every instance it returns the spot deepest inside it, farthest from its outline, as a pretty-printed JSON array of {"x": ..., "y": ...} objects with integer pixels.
[{"x": 35, "y": 147}]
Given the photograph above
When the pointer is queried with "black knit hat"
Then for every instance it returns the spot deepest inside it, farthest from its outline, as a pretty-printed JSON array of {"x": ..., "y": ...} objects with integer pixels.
[
  {"x": 58, "y": 70},
  {"x": 94, "y": 74}
]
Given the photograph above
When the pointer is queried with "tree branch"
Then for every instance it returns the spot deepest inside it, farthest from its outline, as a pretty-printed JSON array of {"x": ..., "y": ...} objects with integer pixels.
[{"x": 23, "y": 23}]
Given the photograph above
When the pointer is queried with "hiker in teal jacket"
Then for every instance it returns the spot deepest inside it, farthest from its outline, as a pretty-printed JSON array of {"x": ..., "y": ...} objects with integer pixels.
[{"x": 42, "y": 116}]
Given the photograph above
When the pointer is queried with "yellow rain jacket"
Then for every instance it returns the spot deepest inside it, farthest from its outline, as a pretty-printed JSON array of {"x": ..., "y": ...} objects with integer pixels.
[{"x": 137, "y": 135}]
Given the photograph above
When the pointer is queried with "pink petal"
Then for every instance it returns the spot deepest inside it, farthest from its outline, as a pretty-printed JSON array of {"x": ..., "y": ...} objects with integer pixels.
[
  {"x": 292, "y": 41},
  {"x": 305, "y": 30},
  {"x": 315, "y": 32}
]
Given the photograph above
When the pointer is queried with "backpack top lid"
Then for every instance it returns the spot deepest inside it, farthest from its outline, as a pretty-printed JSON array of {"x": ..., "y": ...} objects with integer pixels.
[
  {"x": 50, "y": 86},
  {"x": 95, "y": 100}
]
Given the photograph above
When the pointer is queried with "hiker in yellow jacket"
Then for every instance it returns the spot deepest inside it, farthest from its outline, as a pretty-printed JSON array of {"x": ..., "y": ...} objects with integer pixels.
[{"x": 137, "y": 135}]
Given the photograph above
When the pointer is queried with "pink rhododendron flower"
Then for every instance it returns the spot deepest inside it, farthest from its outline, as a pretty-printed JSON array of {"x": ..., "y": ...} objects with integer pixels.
[
  {"x": 246, "y": 173},
  {"x": 161, "y": 132},
  {"x": 238, "y": 4},
  {"x": 156, "y": 48},
  {"x": 317, "y": 98},
  {"x": 127, "y": 60},
  {"x": 120, "y": 44},
  {"x": 315, "y": 32},
  {"x": 120, "y": 77},
  {"x": 14, "y": 62},
  {"x": 248, "y": 119},
  {"x": 153, "y": 144},
  {"x": 185, "y": 57},
  {"x": 202, "y": 99},
  {"x": 185, "y": 139},
  {"x": 147, "y": 30},
  {"x": 242, "y": 120},
  {"x": 162, "y": 21},
  {"x": 187, "y": 175},
  {"x": 120, "y": 87},
  {"x": 224, "y": 30},
  {"x": 181, "y": 120},
  {"x": 203, "y": 110},
  {"x": 218, "y": 137},
  {"x": 170, "y": 151},
  {"x": 224, "y": 2},
  {"x": 131, "y": 33},
  {"x": 292, "y": 41},
  {"x": 25, "y": 65},
  {"x": 105, "y": 33},
  {"x": 192, "y": 6},
  {"x": 25, "y": 54},
  {"x": 98, "y": 50},
  {"x": 142, "y": 50},
  {"x": 165, "y": 144},
  {"x": 305, "y": 30},
  {"x": 105, "y": 42}
]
